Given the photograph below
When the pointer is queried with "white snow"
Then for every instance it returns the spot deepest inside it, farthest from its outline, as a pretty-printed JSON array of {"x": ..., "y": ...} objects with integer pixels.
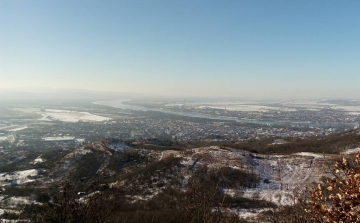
[
  {"x": 284, "y": 174},
  {"x": 71, "y": 116},
  {"x": 80, "y": 140},
  {"x": 247, "y": 107},
  {"x": 347, "y": 108},
  {"x": 62, "y": 115},
  {"x": 78, "y": 152},
  {"x": 21, "y": 177},
  {"x": 351, "y": 151},
  {"x": 117, "y": 146},
  {"x": 38, "y": 160},
  {"x": 18, "y": 129},
  {"x": 9, "y": 138},
  {"x": 58, "y": 138},
  {"x": 248, "y": 213},
  {"x": 174, "y": 105},
  {"x": 308, "y": 154},
  {"x": 13, "y": 202},
  {"x": 6, "y": 127}
]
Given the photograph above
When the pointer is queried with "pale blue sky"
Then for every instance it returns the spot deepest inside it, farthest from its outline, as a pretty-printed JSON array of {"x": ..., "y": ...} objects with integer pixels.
[{"x": 203, "y": 48}]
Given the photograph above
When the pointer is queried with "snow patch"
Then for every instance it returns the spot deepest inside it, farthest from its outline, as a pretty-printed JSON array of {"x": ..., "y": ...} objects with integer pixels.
[
  {"x": 18, "y": 177},
  {"x": 351, "y": 151},
  {"x": 38, "y": 160},
  {"x": 308, "y": 154},
  {"x": 58, "y": 138},
  {"x": 18, "y": 129},
  {"x": 71, "y": 116}
]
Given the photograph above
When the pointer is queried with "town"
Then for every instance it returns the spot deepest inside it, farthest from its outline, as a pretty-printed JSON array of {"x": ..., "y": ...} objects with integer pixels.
[{"x": 41, "y": 128}]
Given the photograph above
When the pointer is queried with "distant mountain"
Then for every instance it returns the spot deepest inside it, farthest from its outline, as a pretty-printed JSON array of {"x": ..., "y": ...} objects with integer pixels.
[{"x": 46, "y": 94}]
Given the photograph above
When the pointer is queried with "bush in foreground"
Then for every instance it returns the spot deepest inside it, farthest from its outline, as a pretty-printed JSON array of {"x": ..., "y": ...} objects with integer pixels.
[{"x": 339, "y": 201}]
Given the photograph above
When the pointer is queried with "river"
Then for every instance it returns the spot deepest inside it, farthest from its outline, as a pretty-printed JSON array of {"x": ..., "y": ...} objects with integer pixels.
[{"x": 121, "y": 105}]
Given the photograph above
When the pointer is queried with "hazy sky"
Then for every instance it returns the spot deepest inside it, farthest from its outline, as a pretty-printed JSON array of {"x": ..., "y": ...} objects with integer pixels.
[{"x": 168, "y": 47}]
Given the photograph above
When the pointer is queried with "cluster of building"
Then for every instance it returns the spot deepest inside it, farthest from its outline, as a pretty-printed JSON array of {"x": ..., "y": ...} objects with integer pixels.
[
  {"x": 68, "y": 135},
  {"x": 306, "y": 116}
]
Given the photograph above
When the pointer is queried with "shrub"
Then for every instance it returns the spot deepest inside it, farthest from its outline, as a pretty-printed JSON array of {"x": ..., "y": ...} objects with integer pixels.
[{"x": 339, "y": 200}]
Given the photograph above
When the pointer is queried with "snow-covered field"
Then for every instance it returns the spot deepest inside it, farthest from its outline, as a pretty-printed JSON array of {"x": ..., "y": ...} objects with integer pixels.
[
  {"x": 257, "y": 108},
  {"x": 174, "y": 105},
  {"x": 309, "y": 154},
  {"x": 71, "y": 116},
  {"x": 117, "y": 146},
  {"x": 287, "y": 106},
  {"x": 18, "y": 129},
  {"x": 58, "y": 138},
  {"x": 9, "y": 138},
  {"x": 263, "y": 106},
  {"x": 351, "y": 151},
  {"x": 347, "y": 108},
  {"x": 63, "y": 115},
  {"x": 6, "y": 127},
  {"x": 38, "y": 160},
  {"x": 3, "y": 138},
  {"x": 282, "y": 177},
  {"x": 18, "y": 177},
  {"x": 15, "y": 202}
]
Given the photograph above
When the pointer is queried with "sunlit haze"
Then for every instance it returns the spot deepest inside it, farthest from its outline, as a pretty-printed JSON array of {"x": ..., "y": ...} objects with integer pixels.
[
  {"x": 179, "y": 111},
  {"x": 183, "y": 48}
]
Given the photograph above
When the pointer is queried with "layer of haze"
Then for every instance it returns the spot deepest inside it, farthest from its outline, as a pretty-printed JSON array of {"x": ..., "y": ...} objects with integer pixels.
[{"x": 188, "y": 47}]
